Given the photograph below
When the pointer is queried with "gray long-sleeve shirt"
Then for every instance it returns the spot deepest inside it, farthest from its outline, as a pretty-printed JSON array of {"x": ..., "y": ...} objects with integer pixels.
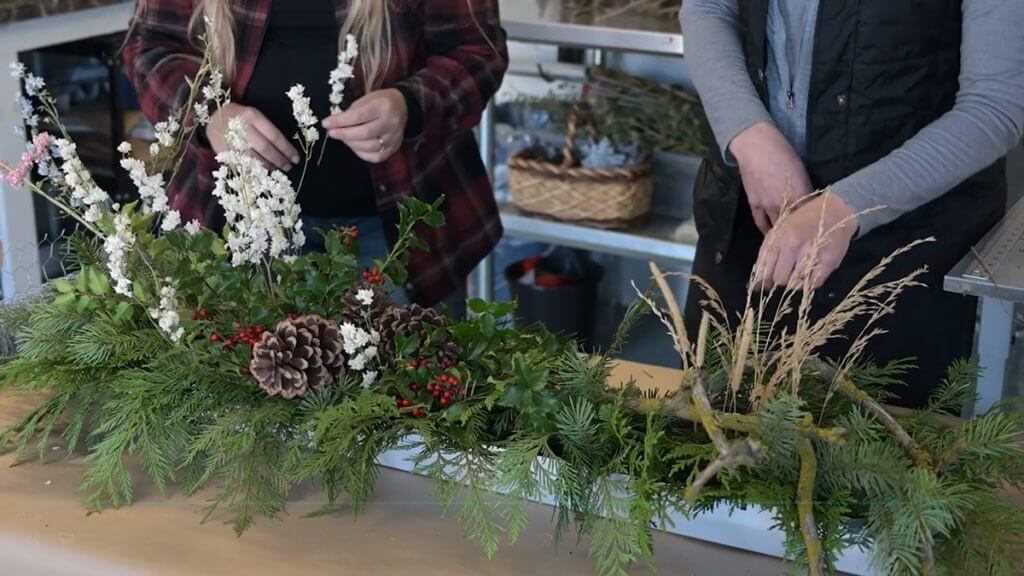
[{"x": 986, "y": 121}]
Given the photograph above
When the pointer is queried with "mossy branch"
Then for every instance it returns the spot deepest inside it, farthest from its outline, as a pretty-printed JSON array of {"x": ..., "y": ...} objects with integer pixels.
[
  {"x": 682, "y": 408},
  {"x": 846, "y": 387},
  {"x": 745, "y": 452},
  {"x": 805, "y": 506}
]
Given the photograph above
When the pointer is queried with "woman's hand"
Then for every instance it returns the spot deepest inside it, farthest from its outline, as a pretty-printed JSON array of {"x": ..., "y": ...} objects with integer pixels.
[
  {"x": 373, "y": 127},
  {"x": 821, "y": 230},
  {"x": 267, "y": 142},
  {"x": 774, "y": 176}
]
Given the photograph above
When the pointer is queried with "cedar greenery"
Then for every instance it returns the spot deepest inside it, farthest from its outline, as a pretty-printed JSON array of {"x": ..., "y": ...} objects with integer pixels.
[{"x": 629, "y": 109}]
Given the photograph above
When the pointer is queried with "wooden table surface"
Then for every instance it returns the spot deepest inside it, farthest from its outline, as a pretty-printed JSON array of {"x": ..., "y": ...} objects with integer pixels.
[{"x": 44, "y": 531}]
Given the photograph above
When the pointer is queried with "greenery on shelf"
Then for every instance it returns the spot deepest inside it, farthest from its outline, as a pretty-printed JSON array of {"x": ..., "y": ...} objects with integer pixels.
[
  {"x": 632, "y": 110},
  {"x": 216, "y": 360}
]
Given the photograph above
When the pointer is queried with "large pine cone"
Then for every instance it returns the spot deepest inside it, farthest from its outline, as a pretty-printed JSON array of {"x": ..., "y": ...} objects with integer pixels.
[
  {"x": 299, "y": 354},
  {"x": 413, "y": 319},
  {"x": 354, "y": 310},
  {"x": 332, "y": 347}
]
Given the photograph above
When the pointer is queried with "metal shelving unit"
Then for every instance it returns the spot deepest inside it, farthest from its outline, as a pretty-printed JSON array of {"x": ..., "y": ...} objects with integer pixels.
[
  {"x": 552, "y": 22},
  {"x": 662, "y": 238},
  {"x": 994, "y": 272}
]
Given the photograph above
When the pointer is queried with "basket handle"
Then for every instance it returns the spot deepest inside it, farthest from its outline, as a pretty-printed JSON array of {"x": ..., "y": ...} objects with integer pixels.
[{"x": 568, "y": 150}]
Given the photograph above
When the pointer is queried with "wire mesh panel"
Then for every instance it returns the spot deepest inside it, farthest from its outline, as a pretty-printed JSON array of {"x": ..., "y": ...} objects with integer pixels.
[{"x": 53, "y": 263}]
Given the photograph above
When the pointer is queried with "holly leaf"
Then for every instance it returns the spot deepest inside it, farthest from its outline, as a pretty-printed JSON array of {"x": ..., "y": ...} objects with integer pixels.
[
  {"x": 62, "y": 286},
  {"x": 124, "y": 312},
  {"x": 98, "y": 282}
]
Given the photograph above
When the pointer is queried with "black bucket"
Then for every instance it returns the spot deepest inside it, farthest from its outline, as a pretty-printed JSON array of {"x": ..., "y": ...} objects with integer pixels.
[{"x": 565, "y": 310}]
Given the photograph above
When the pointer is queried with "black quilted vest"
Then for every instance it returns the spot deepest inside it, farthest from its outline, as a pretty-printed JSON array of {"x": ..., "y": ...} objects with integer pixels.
[{"x": 882, "y": 70}]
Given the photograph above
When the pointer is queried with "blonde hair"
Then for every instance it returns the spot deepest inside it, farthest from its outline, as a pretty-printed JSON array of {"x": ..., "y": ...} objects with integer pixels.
[{"x": 368, "y": 20}]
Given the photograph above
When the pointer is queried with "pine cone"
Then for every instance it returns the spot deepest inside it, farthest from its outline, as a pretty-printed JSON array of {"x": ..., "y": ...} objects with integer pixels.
[
  {"x": 299, "y": 354},
  {"x": 354, "y": 310},
  {"x": 450, "y": 351},
  {"x": 332, "y": 347},
  {"x": 398, "y": 322}
]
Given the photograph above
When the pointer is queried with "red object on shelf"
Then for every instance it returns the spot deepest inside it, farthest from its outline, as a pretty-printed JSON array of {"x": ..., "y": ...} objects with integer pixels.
[{"x": 533, "y": 273}]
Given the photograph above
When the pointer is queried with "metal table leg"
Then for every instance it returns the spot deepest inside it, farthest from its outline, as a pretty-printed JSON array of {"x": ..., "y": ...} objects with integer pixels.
[
  {"x": 485, "y": 272},
  {"x": 994, "y": 338}
]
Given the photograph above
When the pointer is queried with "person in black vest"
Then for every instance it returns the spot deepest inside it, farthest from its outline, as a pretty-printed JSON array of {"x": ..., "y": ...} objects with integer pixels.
[{"x": 902, "y": 110}]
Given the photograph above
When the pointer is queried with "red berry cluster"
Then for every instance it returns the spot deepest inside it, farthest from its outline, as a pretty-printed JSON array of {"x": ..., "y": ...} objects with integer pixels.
[
  {"x": 373, "y": 276},
  {"x": 446, "y": 389},
  {"x": 420, "y": 363},
  {"x": 349, "y": 235},
  {"x": 250, "y": 335},
  {"x": 417, "y": 412},
  {"x": 200, "y": 315}
]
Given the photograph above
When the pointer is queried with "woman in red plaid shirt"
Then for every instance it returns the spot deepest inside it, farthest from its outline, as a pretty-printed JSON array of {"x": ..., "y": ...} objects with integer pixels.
[{"x": 425, "y": 72}]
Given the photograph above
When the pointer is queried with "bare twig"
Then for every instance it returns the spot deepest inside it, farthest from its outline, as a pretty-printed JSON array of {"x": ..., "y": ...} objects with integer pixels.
[
  {"x": 682, "y": 407},
  {"x": 745, "y": 452},
  {"x": 927, "y": 552},
  {"x": 846, "y": 387}
]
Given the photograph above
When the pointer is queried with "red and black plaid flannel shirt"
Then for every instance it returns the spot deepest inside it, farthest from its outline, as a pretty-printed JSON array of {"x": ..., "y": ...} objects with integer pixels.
[{"x": 450, "y": 54}]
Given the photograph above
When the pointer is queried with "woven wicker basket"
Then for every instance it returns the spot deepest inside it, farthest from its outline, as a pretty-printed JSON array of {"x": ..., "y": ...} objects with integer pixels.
[{"x": 564, "y": 191}]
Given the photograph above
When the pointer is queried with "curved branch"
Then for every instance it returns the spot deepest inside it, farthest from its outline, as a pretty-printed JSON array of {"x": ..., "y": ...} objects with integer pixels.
[
  {"x": 805, "y": 506},
  {"x": 846, "y": 387},
  {"x": 748, "y": 424},
  {"x": 745, "y": 452}
]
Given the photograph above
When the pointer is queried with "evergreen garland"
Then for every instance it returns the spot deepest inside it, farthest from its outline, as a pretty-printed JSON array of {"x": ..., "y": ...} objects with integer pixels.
[{"x": 539, "y": 421}]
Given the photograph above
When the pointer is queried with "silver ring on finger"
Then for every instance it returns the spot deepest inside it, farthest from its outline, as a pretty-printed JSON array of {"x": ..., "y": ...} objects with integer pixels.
[{"x": 383, "y": 144}]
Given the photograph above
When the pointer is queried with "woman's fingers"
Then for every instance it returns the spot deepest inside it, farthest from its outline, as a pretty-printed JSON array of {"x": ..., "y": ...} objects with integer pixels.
[
  {"x": 371, "y": 130},
  {"x": 265, "y": 150},
  {"x": 361, "y": 112},
  {"x": 761, "y": 220},
  {"x": 366, "y": 146},
  {"x": 272, "y": 137}
]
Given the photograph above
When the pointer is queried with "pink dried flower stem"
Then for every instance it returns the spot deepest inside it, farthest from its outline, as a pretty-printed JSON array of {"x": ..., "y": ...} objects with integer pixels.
[{"x": 39, "y": 149}]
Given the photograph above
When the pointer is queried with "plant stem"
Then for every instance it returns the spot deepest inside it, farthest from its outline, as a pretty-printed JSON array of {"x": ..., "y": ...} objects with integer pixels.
[{"x": 270, "y": 283}]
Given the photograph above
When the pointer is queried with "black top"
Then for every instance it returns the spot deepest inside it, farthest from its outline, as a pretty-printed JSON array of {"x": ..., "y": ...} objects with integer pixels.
[{"x": 301, "y": 47}]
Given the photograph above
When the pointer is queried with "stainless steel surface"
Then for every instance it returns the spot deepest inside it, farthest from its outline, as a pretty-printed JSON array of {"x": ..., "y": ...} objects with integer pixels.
[
  {"x": 485, "y": 271},
  {"x": 553, "y": 22},
  {"x": 999, "y": 273},
  {"x": 660, "y": 238}
]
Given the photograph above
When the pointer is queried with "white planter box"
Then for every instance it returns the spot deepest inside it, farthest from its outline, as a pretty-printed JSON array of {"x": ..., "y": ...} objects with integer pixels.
[{"x": 749, "y": 529}]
